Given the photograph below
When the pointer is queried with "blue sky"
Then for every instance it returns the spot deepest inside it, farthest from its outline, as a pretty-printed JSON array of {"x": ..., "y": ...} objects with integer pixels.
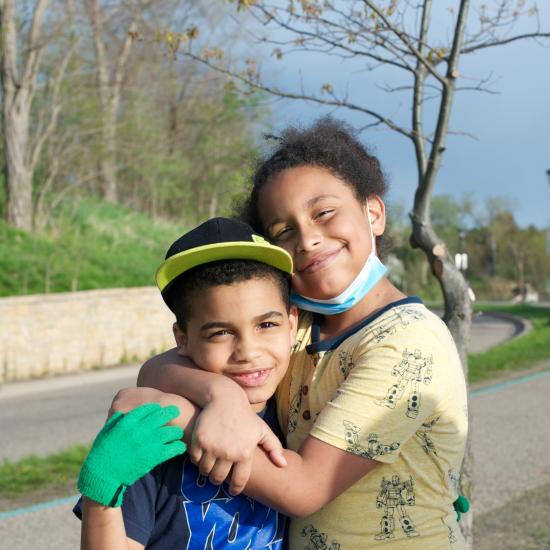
[{"x": 511, "y": 152}]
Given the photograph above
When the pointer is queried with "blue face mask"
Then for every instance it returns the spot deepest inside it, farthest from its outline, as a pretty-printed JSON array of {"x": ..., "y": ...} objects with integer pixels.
[{"x": 371, "y": 273}]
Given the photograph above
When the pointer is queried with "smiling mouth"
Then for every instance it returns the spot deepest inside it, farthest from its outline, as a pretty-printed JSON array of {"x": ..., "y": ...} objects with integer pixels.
[
  {"x": 250, "y": 379},
  {"x": 320, "y": 262}
]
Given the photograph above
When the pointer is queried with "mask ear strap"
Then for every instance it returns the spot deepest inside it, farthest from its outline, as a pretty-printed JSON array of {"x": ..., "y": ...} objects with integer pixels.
[{"x": 372, "y": 239}]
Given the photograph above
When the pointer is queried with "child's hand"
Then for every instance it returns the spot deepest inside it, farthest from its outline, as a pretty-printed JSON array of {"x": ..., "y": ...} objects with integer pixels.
[
  {"x": 225, "y": 438},
  {"x": 128, "y": 399},
  {"x": 127, "y": 447}
]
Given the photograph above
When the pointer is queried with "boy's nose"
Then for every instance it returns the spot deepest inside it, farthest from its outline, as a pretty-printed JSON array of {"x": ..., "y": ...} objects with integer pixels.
[{"x": 247, "y": 350}]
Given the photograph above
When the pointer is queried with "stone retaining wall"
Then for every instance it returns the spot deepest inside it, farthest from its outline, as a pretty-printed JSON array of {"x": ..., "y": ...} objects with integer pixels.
[{"x": 47, "y": 334}]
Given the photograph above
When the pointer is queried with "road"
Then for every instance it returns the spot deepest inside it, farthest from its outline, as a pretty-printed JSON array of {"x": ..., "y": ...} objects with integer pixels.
[
  {"x": 509, "y": 444},
  {"x": 44, "y": 416}
]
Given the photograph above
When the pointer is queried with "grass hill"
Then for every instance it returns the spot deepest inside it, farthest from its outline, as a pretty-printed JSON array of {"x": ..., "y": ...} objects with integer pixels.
[{"x": 90, "y": 244}]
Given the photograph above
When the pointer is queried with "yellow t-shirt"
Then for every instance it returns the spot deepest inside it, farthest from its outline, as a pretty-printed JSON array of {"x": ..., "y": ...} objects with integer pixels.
[{"x": 392, "y": 389}]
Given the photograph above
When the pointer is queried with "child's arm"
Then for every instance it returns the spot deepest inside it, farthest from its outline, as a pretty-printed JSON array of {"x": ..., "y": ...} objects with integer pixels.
[
  {"x": 103, "y": 527},
  {"x": 225, "y": 452},
  {"x": 127, "y": 447},
  {"x": 313, "y": 477},
  {"x": 225, "y": 409},
  {"x": 172, "y": 372}
]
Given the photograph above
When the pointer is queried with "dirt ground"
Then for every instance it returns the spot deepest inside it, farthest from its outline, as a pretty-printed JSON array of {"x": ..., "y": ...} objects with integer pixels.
[{"x": 523, "y": 524}]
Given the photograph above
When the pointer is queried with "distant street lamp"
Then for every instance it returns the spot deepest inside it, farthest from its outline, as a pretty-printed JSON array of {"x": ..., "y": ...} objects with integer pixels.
[{"x": 461, "y": 258}]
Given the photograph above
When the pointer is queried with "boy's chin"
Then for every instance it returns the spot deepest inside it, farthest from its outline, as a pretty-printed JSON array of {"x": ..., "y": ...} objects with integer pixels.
[
  {"x": 257, "y": 399},
  {"x": 259, "y": 406}
]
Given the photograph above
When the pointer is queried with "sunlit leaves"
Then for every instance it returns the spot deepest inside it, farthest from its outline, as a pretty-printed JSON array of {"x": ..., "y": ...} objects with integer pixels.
[{"x": 173, "y": 40}]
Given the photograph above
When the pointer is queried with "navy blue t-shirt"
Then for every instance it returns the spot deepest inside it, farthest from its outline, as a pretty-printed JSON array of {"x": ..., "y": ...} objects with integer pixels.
[{"x": 174, "y": 506}]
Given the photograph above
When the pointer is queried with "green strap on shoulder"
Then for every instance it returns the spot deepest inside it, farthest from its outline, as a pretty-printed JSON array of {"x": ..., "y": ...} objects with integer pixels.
[{"x": 461, "y": 506}]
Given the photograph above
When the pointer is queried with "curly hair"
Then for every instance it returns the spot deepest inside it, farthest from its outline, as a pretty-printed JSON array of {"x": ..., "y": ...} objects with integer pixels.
[{"x": 330, "y": 144}]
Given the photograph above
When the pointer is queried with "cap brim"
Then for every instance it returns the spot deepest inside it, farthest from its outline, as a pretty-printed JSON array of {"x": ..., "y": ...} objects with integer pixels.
[{"x": 261, "y": 252}]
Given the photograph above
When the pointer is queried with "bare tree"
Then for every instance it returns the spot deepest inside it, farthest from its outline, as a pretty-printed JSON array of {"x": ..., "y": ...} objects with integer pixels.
[
  {"x": 111, "y": 71},
  {"x": 20, "y": 65},
  {"x": 398, "y": 37}
]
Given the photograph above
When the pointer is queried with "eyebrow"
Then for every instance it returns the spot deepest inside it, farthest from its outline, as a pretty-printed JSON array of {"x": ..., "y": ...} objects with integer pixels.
[
  {"x": 309, "y": 204},
  {"x": 258, "y": 319}
]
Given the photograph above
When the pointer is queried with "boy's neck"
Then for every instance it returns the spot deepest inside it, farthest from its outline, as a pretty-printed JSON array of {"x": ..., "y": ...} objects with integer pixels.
[
  {"x": 381, "y": 295},
  {"x": 258, "y": 407}
]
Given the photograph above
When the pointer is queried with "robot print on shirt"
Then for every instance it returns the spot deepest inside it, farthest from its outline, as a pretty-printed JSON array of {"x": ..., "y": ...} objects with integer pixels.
[
  {"x": 454, "y": 482},
  {"x": 396, "y": 495},
  {"x": 374, "y": 446},
  {"x": 318, "y": 540},
  {"x": 294, "y": 410},
  {"x": 413, "y": 369},
  {"x": 407, "y": 314},
  {"x": 383, "y": 331},
  {"x": 423, "y": 434},
  {"x": 346, "y": 363},
  {"x": 400, "y": 317},
  {"x": 452, "y": 536}
]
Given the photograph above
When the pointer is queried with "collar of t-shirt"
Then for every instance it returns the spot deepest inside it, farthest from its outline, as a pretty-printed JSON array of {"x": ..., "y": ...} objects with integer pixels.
[{"x": 317, "y": 345}]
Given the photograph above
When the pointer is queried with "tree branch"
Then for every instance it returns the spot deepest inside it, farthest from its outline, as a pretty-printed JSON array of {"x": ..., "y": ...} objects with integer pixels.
[
  {"x": 503, "y": 41},
  {"x": 405, "y": 40},
  {"x": 256, "y": 85}
]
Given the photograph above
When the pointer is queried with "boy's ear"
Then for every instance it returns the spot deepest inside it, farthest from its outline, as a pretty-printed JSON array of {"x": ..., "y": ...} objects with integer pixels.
[
  {"x": 181, "y": 339},
  {"x": 377, "y": 212},
  {"x": 293, "y": 319}
]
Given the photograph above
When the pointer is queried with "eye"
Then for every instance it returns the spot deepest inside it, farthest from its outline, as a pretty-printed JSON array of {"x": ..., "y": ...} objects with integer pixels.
[
  {"x": 282, "y": 234},
  {"x": 268, "y": 324},
  {"x": 324, "y": 213},
  {"x": 218, "y": 334}
]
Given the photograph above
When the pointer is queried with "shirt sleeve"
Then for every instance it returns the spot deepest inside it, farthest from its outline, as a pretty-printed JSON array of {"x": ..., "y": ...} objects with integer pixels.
[
  {"x": 391, "y": 389},
  {"x": 138, "y": 508}
]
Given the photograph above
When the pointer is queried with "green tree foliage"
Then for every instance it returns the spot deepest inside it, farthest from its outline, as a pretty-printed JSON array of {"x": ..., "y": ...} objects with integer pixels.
[
  {"x": 502, "y": 257},
  {"x": 180, "y": 134}
]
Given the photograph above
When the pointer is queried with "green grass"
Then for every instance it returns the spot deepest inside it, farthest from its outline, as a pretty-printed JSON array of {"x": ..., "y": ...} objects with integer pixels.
[
  {"x": 522, "y": 352},
  {"x": 34, "y": 473},
  {"x": 89, "y": 245}
]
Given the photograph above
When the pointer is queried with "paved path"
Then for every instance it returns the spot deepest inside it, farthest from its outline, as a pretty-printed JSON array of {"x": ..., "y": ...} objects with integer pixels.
[
  {"x": 45, "y": 416},
  {"x": 510, "y": 441}
]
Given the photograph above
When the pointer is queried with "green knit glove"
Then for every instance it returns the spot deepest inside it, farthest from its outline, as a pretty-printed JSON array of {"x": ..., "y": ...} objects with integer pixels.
[
  {"x": 461, "y": 506},
  {"x": 127, "y": 447}
]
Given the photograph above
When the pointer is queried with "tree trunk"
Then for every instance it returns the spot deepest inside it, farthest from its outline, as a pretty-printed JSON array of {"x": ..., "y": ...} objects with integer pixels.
[
  {"x": 107, "y": 166},
  {"x": 458, "y": 318},
  {"x": 16, "y": 103},
  {"x": 18, "y": 177}
]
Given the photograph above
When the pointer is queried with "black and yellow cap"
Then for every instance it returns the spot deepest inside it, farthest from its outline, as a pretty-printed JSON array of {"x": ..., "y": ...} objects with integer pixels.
[{"x": 218, "y": 239}]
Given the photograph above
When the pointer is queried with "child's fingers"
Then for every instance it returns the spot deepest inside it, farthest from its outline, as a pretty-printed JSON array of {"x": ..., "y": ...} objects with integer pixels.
[
  {"x": 239, "y": 477},
  {"x": 277, "y": 457},
  {"x": 159, "y": 416},
  {"x": 206, "y": 464},
  {"x": 272, "y": 446},
  {"x": 195, "y": 454},
  {"x": 173, "y": 449},
  {"x": 170, "y": 433},
  {"x": 220, "y": 472},
  {"x": 113, "y": 419},
  {"x": 142, "y": 411}
]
